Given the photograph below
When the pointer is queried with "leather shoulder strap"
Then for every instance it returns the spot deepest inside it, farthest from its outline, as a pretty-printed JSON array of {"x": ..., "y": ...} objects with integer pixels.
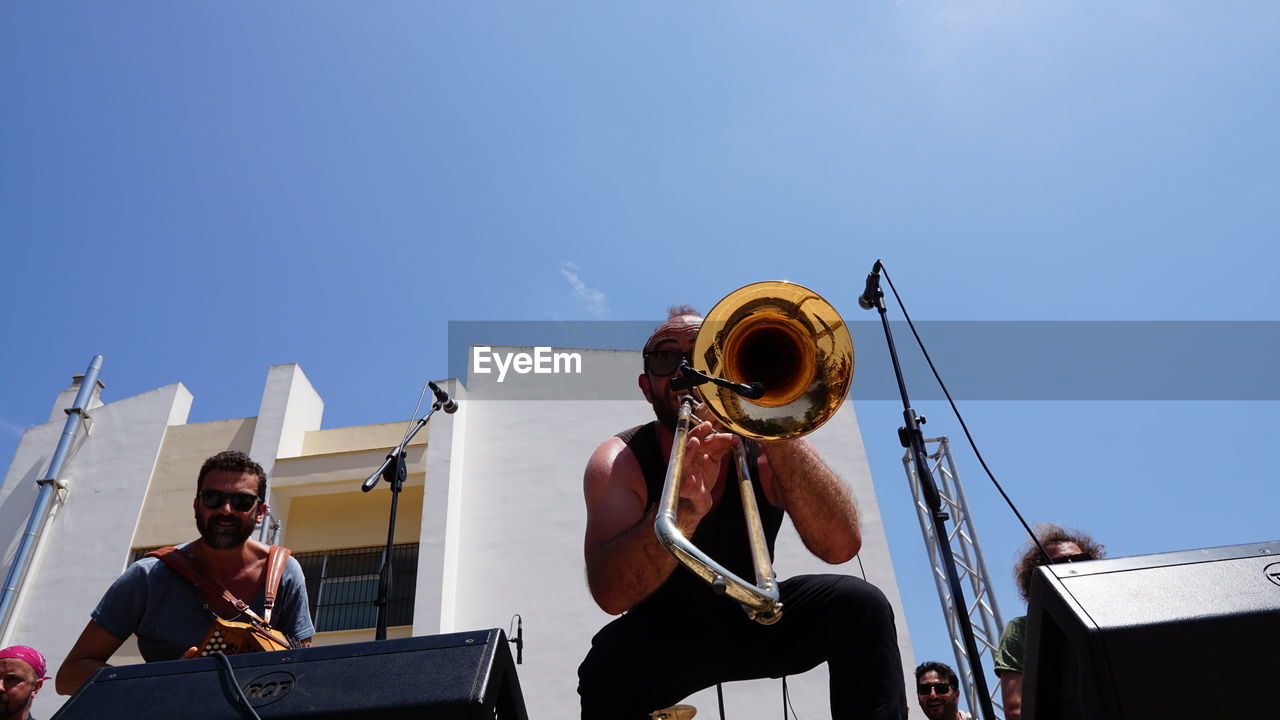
[
  {"x": 276, "y": 561},
  {"x": 187, "y": 567}
]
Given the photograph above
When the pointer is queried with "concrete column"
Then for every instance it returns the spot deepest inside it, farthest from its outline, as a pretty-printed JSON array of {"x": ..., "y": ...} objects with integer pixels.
[
  {"x": 290, "y": 407},
  {"x": 435, "y": 604}
]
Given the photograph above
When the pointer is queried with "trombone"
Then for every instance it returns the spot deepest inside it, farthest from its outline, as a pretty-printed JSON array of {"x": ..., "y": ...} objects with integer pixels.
[{"x": 780, "y": 359}]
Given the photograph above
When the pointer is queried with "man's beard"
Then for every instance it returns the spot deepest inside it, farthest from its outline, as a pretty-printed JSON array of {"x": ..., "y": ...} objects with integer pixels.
[
  {"x": 946, "y": 711},
  {"x": 223, "y": 537},
  {"x": 8, "y": 710},
  {"x": 666, "y": 415}
]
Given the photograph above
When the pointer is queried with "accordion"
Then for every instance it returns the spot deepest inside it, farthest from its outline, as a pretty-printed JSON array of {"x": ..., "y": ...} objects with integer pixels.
[{"x": 230, "y": 637}]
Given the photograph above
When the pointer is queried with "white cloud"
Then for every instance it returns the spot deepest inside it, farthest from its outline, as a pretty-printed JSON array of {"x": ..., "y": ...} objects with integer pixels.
[
  {"x": 592, "y": 298},
  {"x": 8, "y": 428}
]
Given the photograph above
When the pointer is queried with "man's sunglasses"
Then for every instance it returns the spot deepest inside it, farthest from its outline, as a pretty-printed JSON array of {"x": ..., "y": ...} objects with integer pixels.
[
  {"x": 214, "y": 499},
  {"x": 1078, "y": 557},
  {"x": 941, "y": 688},
  {"x": 662, "y": 363}
]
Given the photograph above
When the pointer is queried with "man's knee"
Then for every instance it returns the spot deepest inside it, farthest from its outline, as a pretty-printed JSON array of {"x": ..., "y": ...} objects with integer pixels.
[
  {"x": 597, "y": 678},
  {"x": 861, "y": 597},
  {"x": 595, "y": 688},
  {"x": 610, "y": 685}
]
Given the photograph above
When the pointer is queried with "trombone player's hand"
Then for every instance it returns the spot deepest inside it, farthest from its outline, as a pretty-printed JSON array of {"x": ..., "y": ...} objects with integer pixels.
[{"x": 705, "y": 450}]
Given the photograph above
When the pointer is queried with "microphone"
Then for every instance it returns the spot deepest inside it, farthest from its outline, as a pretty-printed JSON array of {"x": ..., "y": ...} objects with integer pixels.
[
  {"x": 872, "y": 292},
  {"x": 447, "y": 404},
  {"x": 518, "y": 640}
]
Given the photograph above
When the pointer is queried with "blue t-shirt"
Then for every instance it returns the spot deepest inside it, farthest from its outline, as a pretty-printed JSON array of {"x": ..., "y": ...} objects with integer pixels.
[{"x": 169, "y": 614}]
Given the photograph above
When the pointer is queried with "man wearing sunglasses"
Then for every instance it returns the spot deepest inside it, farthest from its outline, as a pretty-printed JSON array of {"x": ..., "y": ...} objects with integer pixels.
[
  {"x": 677, "y": 635},
  {"x": 167, "y": 613},
  {"x": 1062, "y": 545},
  {"x": 939, "y": 691}
]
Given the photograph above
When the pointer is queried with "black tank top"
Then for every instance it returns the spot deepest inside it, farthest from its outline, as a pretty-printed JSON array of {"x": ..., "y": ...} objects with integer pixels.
[{"x": 722, "y": 534}]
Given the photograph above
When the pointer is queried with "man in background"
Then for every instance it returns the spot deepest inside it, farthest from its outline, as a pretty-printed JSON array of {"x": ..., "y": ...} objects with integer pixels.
[
  {"x": 939, "y": 691},
  {"x": 1062, "y": 545},
  {"x": 22, "y": 674}
]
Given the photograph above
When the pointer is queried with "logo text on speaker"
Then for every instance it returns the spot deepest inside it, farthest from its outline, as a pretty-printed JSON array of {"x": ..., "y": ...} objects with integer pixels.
[
  {"x": 266, "y": 689},
  {"x": 1272, "y": 572}
]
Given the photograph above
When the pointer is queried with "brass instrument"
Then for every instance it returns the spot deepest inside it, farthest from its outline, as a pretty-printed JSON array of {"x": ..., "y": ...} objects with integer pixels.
[{"x": 792, "y": 342}]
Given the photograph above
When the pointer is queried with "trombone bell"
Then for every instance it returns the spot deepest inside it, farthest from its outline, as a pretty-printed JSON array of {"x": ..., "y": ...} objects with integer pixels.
[{"x": 786, "y": 337}]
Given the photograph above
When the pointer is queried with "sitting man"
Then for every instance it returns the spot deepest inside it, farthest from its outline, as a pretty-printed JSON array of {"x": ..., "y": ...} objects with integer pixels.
[
  {"x": 167, "y": 612},
  {"x": 1062, "y": 545},
  {"x": 939, "y": 691},
  {"x": 22, "y": 674},
  {"x": 678, "y": 636}
]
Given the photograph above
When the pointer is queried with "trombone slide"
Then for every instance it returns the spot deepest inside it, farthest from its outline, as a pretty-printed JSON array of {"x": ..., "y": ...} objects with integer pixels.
[{"x": 761, "y": 600}]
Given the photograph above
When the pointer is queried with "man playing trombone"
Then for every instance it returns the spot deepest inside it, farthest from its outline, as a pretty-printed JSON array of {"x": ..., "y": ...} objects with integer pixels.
[{"x": 677, "y": 636}]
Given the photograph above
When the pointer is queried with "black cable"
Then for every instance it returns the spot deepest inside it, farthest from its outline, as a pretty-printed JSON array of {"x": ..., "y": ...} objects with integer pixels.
[
  {"x": 236, "y": 684},
  {"x": 518, "y": 638},
  {"x": 786, "y": 699},
  {"x": 968, "y": 436},
  {"x": 786, "y": 692},
  {"x": 720, "y": 699},
  {"x": 416, "y": 408}
]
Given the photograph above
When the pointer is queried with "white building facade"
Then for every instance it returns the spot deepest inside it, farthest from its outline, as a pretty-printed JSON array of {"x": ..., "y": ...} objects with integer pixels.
[{"x": 491, "y": 520}]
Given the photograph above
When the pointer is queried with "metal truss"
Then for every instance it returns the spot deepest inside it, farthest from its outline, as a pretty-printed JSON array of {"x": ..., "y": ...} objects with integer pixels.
[{"x": 984, "y": 612}]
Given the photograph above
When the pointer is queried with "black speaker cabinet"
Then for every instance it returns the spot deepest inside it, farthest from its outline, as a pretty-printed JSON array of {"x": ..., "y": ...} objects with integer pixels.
[
  {"x": 1191, "y": 634},
  {"x": 461, "y": 675}
]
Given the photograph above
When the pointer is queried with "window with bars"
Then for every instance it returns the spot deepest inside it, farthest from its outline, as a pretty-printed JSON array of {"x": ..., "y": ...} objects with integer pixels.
[
  {"x": 342, "y": 585},
  {"x": 137, "y": 554}
]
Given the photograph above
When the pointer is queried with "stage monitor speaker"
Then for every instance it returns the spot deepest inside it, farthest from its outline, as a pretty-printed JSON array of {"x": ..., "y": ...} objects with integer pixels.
[
  {"x": 463, "y": 676},
  {"x": 1176, "y": 635}
]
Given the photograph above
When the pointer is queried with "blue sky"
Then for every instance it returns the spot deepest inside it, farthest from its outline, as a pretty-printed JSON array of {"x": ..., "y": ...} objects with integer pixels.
[{"x": 199, "y": 192}]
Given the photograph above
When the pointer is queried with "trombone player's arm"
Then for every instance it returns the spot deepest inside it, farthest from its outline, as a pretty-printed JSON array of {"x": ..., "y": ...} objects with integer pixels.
[
  {"x": 821, "y": 507},
  {"x": 625, "y": 562}
]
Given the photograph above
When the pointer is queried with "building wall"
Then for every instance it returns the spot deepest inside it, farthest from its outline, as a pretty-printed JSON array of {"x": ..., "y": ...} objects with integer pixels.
[
  {"x": 360, "y": 437},
  {"x": 352, "y": 519},
  {"x": 494, "y": 499},
  {"x": 167, "y": 513},
  {"x": 86, "y": 543},
  {"x": 522, "y": 517}
]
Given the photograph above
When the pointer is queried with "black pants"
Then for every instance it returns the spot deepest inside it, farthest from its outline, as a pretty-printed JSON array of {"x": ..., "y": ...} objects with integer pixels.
[{"x": 646, "y": 661}]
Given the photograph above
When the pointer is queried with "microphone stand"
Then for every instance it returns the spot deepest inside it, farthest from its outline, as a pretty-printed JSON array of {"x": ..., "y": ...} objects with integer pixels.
[
  {"x": 394, "y": 471},
  {"x": 912, "y": 437}
]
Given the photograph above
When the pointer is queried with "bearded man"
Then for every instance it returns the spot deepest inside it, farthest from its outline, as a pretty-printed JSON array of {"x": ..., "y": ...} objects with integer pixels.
[
  {"x": 676, "y": 635},
  {"x": 21, "y": 676},
  {"x": 938, "y": 688},
  {"x": 170, "y": 615}
]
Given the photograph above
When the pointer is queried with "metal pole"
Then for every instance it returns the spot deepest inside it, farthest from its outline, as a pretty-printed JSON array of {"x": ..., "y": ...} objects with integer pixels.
[
  {"x": 912, "y": 438},
  {"x": 49, "y": 485},
  {"x": 969, "y": 562},
  {"x": 397, "y": 472}
]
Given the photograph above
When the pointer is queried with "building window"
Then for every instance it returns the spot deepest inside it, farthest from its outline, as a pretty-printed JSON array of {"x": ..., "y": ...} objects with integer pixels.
[
  {"x": 343, "y": 586},
  {"x": 137, "y": 554}
]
